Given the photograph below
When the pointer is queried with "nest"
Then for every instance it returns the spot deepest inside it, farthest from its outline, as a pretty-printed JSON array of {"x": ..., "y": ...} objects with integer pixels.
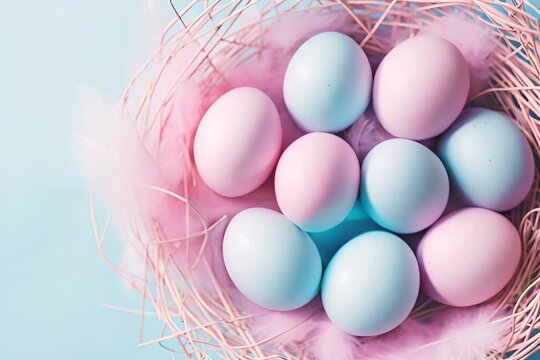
[{"x": 177, "y": 275}]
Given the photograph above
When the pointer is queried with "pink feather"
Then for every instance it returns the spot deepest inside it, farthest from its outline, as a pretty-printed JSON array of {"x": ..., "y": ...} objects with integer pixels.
[
  {"x": 455, "y": 334},
  {"x": 283, "y": 327},
  {"x": 466, "y": 334},
  {"x": 327, "y": 342}
]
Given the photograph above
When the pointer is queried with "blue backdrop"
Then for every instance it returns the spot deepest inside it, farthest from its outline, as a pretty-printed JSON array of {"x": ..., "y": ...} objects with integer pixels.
[{"x": 51, "y": 280}]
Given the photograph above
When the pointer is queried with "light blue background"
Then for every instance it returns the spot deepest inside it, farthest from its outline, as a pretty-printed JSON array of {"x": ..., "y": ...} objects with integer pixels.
[
  {"x": 51, "y": 280},
  {"x": 51, "y": 277}
]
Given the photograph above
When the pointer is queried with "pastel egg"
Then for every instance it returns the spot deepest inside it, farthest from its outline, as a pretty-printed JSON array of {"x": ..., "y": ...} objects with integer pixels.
[
  {"x": 270, "y": 260},
  {"x": 327, "y": 84},
  {"x": 420, "y": 87},
  {"x": 316, "y": 181},
  {"x": 468, "y": 256},
  {"x": 238, "y": 142},
  {"x": 404, "y": 186},
  {"x": 488, "y": 159},
  {"x": 371, "y": 284}
]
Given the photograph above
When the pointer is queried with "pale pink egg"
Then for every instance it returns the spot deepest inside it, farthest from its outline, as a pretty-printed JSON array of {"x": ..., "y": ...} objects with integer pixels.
[
  {"x": 468, "y": 256},
  {"x": 238, "y": 142},
  {"x": 317, "y": 180},
  {"x": 420, "y": 87}
]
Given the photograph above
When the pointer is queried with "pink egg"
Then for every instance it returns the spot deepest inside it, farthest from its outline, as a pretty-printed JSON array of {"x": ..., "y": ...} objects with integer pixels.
[
  {"x": 238, "y": 142},
  {"x": 468, "y": 256},
  {"x": 317, "y": 180},
  {"x": 420, "y": 87}
]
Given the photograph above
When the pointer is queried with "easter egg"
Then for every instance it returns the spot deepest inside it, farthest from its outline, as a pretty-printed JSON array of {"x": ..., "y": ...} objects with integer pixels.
[
  {"x": 404, "y": 186},
  {"x": 420, "y": 87},
  {"x": 270, "y": 260},
  {"x": 468, "y": 256},
  {"x": 238, "y": 142},
  {"x": 316, "y": 181},
  {"x": 327, "y": 84},
  {"x": 489, "y": 162},
  {"x": 371, "y": 284}
]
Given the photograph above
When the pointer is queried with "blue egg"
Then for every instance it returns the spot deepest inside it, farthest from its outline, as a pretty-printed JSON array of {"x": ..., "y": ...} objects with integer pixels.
[
  {"x": 330, "y": 241},
  {"x": 371, "y": 284},
  {"x": 488, "y": 159},
  {"x": 404, "y": 186},
  {"x": 270, "y": 260},
  {"x": 328, "y": 82}
]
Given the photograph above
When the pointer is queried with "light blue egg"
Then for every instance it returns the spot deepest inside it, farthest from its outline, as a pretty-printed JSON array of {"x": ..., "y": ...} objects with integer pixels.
[
  {"x": 404, "y": 186},
  {"x": 330, "y": 241},
  {"x": 270, "y": 260},
  {"x": 488, "y": 159},
  {"x": 328, "y": 82},
  {"x": 371, "y": 284}
]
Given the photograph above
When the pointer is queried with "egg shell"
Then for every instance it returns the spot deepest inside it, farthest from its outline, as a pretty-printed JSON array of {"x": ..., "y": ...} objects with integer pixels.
[
  {"x": 468, "y": 256},
  {"x": 316, "y": 181},
  {"x": 238, "y": 142},
  {"x": 488, "y": 159},
  {"x": 420, "y": 87},
  {"x": 327, "y": 84},
  {"x": 371, "y": 284},
  {"x": 404, "y": 186},
  {"x": 270, "y": 260}
]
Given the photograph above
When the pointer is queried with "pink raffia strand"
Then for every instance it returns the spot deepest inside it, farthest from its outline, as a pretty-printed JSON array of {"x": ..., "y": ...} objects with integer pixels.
[{"x": 198, "y": 320}]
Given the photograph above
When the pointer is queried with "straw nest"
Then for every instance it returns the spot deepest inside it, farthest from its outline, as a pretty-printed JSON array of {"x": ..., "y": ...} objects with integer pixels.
[{"x": 220, "y": 35}]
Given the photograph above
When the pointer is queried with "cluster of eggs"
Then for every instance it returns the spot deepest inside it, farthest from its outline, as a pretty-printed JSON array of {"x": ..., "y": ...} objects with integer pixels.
[{"x": 340, "y": 222}]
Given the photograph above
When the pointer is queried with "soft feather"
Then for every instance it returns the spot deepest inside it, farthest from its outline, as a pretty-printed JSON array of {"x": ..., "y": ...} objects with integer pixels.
[
  {"x": 465, "y": 334},
  {"x": 327, "y": 342},
  {"x": 455, "y": 334},
  {"x": 364, "y": 134},
  {"x": 283, "y": 327}
]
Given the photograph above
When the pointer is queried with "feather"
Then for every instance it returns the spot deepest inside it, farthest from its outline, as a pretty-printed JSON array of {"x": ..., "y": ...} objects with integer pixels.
[
  {"x": 283, "y": 327},
  {"x": 393, "y": 345},
  {"x": 466, "y": 334},
  {"x": 327, "y": 342},
  {"x": 365, "y": 133},
  {"x": 454, "y": 334}
]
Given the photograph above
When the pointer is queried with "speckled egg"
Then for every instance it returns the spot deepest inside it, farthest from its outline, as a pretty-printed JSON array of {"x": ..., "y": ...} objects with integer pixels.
[
  {"x": 327, "y": 84},
  {"x": 404, "y": 186},
  {"x": 420, "y": 87},
  {"x": 488, "y": 159}
]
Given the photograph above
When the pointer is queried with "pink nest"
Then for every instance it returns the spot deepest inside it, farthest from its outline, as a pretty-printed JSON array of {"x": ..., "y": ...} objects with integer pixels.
[{"x": 173, "y": 224}]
